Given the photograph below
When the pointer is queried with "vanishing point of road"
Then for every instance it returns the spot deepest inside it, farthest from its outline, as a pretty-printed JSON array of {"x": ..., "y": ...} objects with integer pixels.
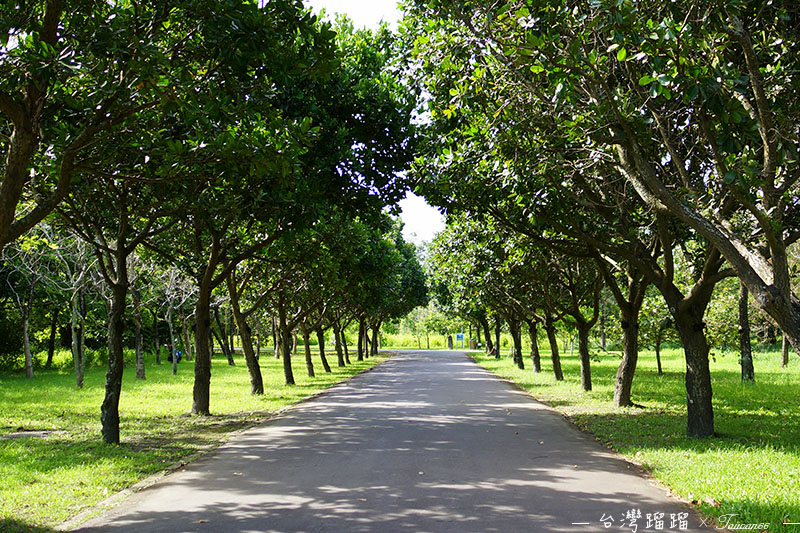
[{"x": 425, "y": 442}]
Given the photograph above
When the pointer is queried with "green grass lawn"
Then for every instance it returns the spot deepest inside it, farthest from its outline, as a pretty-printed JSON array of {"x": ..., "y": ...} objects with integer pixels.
[
  {"x": 45, "y": 481},
  {"x": 751, "y": 469}
]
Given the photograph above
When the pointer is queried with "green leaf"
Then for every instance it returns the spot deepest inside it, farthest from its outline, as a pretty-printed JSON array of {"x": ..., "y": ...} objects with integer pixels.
[
  {"x": 730, "y": 177},
  {"x": 622, "y": 54},
  {"x": 646, "y": 80}
]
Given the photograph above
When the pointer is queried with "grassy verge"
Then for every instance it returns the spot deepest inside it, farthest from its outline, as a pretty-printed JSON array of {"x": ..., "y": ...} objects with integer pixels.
[
  {"x": 752, "y": 469},
  {"x": 47, "y": 480}
]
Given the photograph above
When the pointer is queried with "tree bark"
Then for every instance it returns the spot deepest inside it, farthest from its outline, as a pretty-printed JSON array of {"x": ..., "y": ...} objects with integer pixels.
[
  {"x": 550, "y": 329},
  {"x": 173, "y": 352},
  {"x": 156, "y": 340},
  {"x": 275, "y": 338},
  {"x": 487, "y": 333},
  {"x": 337, "y": 334},
  {"x": 307, "y": 350},
  {"x": 361, "y": 328},
  {"x": 201, "y": 391},
  {"x": 659, "y": 339},
  {"x": 700, "y": 422},
  {"x": 222, "y": 338},
  {"x": 26, "y": 345},
  {"x": 138, "y": 340},
  {"x": 374, "y": 342},
  {"x": 497, "y": 338},
  {"x": 516, "y": 336},
  {"x": 77, "y": 352},
  {"x": 536, "y": 358},
  {"x": 321, "y": 344},
  {"x": 784, "y": 351},
  {"x": 583, "y": 354},
  {"x": 286, "y": 344},
  {"x": 187, "y": 339},
  {"x": 245, "y": 334},
  {"x": 109, "y": 411},
  {"x": 746, "y": 359},
  {"x": 623, "y": 383}
]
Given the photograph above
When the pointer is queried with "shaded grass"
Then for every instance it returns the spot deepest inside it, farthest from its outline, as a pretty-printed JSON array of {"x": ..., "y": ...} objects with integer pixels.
[
  {"x": 752, "y": 468},
  {"x": 45, "y": 481}
]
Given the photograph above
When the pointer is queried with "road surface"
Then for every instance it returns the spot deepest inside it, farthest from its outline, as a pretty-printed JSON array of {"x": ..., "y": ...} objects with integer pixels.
[{"x": 426, "y": 442}]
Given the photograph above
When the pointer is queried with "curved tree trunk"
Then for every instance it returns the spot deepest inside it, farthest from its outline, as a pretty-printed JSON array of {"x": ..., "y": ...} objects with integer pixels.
[
  {"x": 487, "y": 333},
  {"x": 374, "y": 341},
  {"x": 245, "y": 334},
  {"x": 321, "y": 344},
  {"x": 550, "y": 328},
  {"x": 337, "y": 335}
]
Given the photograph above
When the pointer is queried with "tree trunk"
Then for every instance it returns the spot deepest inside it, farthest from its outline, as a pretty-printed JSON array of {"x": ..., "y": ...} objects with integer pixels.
[
  {"x": 374, "y": 343},
  {"x": 26, "y": 344},
  {"x": 516, "y": 336},
  {"x": 623, "y": 383},
  {"x": 109, "y": 411},
  {"x": 361, "y": 328},
  {"x": 51, "y": 342},
  {"x": 659, "y": 339},
  {"x": 338, "y": 335},
  {"x": 77, "y": 353},
  {"x": 549, "y": 327},
  {"x": 784, "y": 351},
  {"x": 307, "y": 349},
  {"x": 138, "y": 339},
  {"x": 497, "y": 338},
  {"x": 583, "y": 354},
  {"x": 344, "y": 344},
  {"x": 201, "y": 391},
  {"x": 275, "y": 338},
  {"x": 700, "y": 422},
  {"x": 156, "y": 340},
  {"x": 487, "y": 333},
  {"x": 286, "y": 344},
  {"x": 173, "y": 352},
  {"x": 746, "y": 360},
  {"x": 321, "y": 344},
  {"x": 187, "y": 339},
  {"x": 603, "y": 327},
  {"x": 222, "y": 338},
  {"x": 250, "y": 358},
  {"x": 536, "y": 358}
]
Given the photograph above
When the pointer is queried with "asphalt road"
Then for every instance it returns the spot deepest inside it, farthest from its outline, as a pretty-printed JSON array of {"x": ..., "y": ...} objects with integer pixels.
[{"x": 427, "y": 441}]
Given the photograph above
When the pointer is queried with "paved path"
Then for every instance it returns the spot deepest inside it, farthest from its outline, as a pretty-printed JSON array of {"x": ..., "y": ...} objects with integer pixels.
[{"x": 428, "y": 441}]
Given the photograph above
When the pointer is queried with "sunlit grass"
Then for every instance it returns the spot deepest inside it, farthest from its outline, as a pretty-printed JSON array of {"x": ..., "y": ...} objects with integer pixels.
[
  {"x": 752, "y": 468},
  {"x": 47, "y": 480}
]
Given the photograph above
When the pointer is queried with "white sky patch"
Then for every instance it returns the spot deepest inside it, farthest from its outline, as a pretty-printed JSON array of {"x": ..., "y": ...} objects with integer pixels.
[
  {"x": 422, "y": 222},
  {"x": 367, "y": 13}
]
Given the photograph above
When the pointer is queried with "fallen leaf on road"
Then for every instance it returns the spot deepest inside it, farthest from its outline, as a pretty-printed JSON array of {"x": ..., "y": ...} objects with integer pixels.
[
  {"x": 541, "y": 442},
  {"x": 238, "y": 474},
  {"x": 362, "y": 499},
  {"x": 421, "y": 473}
]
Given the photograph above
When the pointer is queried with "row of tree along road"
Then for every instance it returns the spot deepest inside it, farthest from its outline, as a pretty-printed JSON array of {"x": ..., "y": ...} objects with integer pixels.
[
  {"x": 249, "y": 147},
  {"x": 174, "y": 152},
  {"x": 603, "y": 139}
]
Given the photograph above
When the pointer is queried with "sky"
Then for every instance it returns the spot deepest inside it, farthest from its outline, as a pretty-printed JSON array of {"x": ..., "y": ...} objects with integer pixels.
[{"x": 422, "y": 221}]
